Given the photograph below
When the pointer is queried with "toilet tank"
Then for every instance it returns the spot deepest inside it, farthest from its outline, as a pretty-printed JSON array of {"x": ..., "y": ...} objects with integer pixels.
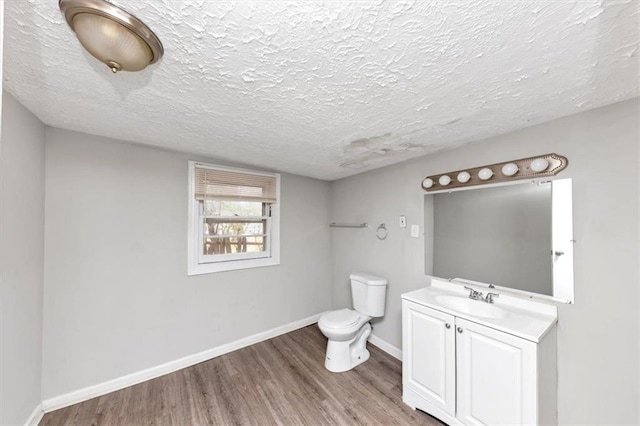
[{"x": 369, "y": 294}]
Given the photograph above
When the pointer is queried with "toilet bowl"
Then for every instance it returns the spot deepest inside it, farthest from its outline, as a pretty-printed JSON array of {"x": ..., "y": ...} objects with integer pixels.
[{"x": 347, "y": 330}]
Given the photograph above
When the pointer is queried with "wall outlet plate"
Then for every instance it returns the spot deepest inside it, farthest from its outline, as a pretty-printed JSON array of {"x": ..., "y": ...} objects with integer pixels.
[{"x": 415, "y": 231}]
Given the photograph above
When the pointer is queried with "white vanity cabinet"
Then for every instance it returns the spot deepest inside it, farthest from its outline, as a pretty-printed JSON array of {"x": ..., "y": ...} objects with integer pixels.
[
  {"x": 496, "y": 376},
  {"x": 465, "y": 372},
  {"x": 428, "y": 358}
]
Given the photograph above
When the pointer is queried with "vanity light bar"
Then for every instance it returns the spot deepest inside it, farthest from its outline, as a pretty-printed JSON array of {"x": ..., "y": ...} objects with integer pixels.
[{"x": 525, "y": 168}]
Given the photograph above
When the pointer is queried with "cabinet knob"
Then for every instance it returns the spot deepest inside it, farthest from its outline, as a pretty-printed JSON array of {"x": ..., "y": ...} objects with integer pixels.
[
  {"x": 459, "y": 329},
  {"x": 447, "y": 325}
]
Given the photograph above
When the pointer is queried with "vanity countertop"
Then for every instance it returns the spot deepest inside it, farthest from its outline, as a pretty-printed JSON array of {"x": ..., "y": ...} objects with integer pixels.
[{"x": 527, "y": 319}]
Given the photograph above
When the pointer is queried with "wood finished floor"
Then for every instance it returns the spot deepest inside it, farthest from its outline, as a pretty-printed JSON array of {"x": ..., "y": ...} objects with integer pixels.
[{"x": 278, "y": 381}]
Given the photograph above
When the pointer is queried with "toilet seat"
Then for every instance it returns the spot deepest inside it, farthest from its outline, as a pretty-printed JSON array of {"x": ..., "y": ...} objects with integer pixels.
[{"x": 342, "y": 318}]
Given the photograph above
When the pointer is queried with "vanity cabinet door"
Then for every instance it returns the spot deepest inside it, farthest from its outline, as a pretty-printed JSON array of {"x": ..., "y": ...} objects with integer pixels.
[
  {"x": 496, "y": 376},
  {"x": 428, "y": 365}
]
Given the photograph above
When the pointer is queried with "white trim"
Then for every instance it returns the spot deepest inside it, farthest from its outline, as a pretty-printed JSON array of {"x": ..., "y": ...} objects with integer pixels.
[
  {"x": 562, "y": 239},
  {"x": 194, "y": 265},
  {"x": 89, "y": 392},
  {"x": 35, "y": 416},
  {"x": 386, "y": 347},
  {"x": 232, "y": 265}
]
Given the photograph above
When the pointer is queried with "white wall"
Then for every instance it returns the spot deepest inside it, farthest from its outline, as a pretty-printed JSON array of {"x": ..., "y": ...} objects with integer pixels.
[
  {"x": 21, "y": 260},
  {"x": 598, "y": 336},
  {"x": 117, "y": 295}
]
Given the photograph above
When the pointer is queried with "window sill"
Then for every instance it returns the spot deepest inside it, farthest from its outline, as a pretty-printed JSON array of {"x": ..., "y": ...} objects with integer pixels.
[{"x": 232, "y": 265}]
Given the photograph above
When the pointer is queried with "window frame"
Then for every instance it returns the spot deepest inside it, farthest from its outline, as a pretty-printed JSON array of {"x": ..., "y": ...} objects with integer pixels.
[{"x": 195, "y": 235}]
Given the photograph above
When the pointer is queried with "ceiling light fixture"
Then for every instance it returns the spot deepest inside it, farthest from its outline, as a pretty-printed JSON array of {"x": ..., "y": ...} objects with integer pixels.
[{"x": 112, "y": 35}]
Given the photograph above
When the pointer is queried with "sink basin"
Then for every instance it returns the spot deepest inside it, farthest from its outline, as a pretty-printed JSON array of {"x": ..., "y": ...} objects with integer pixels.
[{"x": 468, "y": 306}]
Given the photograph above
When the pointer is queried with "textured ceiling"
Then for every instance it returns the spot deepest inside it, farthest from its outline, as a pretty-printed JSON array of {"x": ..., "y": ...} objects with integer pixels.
[{"x": 329, "y": 89}]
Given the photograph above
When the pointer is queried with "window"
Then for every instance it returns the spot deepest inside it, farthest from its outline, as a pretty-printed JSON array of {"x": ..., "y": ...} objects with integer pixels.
[{"x": 234, "y": 218}]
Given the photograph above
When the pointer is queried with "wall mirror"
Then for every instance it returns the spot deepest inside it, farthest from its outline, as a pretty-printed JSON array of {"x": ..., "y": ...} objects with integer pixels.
[{"x": 517, "y": 237}]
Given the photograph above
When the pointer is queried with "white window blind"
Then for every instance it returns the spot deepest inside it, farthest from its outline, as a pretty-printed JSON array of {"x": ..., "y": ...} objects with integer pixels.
[{"x": 215, "y": 184}]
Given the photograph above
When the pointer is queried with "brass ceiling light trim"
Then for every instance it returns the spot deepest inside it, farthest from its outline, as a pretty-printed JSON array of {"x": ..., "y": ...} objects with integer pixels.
[
  {"x": 112, "y": 35},
  {"x": 525, "y": 168}
]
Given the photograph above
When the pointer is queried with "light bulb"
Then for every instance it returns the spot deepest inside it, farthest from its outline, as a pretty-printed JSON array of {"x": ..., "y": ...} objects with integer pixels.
[
  {"x": 485, "y": 174},
  {"x": 427, "y": 183},
  {"x": 539, "y": 165},
  {"x": 463, "y": 177},
  {"x": 510, "y": 169},
  {"x": 444, "y": 180}
]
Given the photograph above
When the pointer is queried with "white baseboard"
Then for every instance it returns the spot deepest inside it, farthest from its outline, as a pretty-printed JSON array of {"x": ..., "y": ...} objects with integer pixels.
[
  {"x": 35, "y": 416},
  {"x": 89, "y": 392},
  {"x": 386, "y": 346}
]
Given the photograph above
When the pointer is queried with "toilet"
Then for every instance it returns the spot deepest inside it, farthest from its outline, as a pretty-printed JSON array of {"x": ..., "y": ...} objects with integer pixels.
[{"x": 349, "y": 329}]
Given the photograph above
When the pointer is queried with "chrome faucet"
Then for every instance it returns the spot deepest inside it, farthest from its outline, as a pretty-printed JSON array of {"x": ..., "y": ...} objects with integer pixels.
[
  {"x": 490, "y": 297},
  {"x": 474, "y": 294},
  {"x": 477, "y": 295}
]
